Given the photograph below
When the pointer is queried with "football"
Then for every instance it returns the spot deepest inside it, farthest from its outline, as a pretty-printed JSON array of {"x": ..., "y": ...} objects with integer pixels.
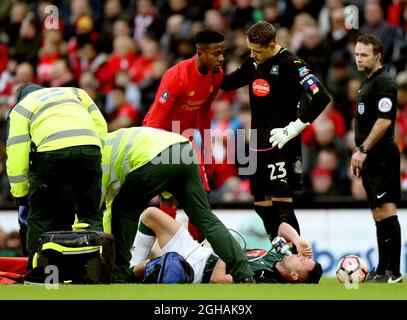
[{"x": 352, "y": 269}]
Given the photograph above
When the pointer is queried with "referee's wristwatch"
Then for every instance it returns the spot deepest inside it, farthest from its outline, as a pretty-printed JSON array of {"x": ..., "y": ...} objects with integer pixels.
[{"x": 363, "y": 149}]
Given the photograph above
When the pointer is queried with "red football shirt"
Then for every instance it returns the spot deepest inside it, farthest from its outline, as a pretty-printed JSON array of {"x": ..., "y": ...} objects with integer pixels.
[{"x": 184, "y": 95}]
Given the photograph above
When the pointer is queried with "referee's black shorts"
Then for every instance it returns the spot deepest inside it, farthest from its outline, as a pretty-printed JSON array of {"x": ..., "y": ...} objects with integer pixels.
[{"x": 381, "y": 175}]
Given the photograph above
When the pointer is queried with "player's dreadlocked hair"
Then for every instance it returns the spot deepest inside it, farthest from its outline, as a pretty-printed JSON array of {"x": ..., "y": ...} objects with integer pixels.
[
  {"x": 261, "y": 33},
  {"x": 209, "y": 36},
  {"x": 315, "y": 274}
]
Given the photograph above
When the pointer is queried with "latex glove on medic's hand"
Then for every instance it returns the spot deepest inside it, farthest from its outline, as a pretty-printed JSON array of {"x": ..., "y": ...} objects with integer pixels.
[{"x": 280, "y": 136}]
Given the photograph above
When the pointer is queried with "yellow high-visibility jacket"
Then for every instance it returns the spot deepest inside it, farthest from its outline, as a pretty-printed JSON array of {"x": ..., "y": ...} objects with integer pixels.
[
  {"x": 126, "y": 150},
  {"x": 51, "y": 118}
]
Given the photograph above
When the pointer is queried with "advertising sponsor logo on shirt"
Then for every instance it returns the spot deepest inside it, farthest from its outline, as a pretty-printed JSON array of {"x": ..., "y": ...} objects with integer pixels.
[
  {"x": 260, "y": 87},
  {"x": 303, "y": 71},
  {"x": 361, "y": 108},
  {"x": 385, "y": 104},
  {"x": 164, "y": 97},
  {"x": 256, "y": 253}
]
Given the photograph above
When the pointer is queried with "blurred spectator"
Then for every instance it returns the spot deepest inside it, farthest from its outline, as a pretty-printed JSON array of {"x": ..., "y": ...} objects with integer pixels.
[
  {"x": 337, "y": 80},
  {"x": 377, "y": 25},
  {"x": 124, "y": 114},
  {"x": 71, "y": 13},
  {"x": 13, "y": 243},
  {"x": 322, "y": 182},
  {"x": 223, "y": 128},
  {"x": 214, "y": 20},
  {"x": 113, "y": 11},
  {"x": 5, "y": 7},
  {"x": 325, "y": 15},
  {"x": 122, "y": 58},
  {"x": 326, "y": 129},
  {"x": 5, "y": 251},
  {"x": 145, "y": 13},
  {"x": 238, "y": 48},
  {"x": 28, "y": 42},
  {"x": 18, "y": 13},
  {"x": 314, "y": 52},
  {"x": 176, "y": 29},
  {"x": 48, "y": 56},
  {"x": 132, "y": 93},
  {"x": 142, "y": 67},
  {"x": 150, "y": 85},
  {"x": 233, "y": 190},
  {"x": 3, "y": 56},
  {"x": 88, "y": 82},
  {"x": 61, "y": 75},
  {"x": 295, "y": 8},
  {"x": 302, "y": 21},
  {"x": 339, "y": 35},
  {"x": 348, "y": 107},
  {"x": 242, "y": 16},
  {"x": 272, "y": 13},
  {"x": 122, "y": 27},
  {"x": 284, "y": 37}
]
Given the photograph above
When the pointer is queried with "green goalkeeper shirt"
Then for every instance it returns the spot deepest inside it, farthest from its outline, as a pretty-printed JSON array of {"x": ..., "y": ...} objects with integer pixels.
[{"x": 263, "y": 266}]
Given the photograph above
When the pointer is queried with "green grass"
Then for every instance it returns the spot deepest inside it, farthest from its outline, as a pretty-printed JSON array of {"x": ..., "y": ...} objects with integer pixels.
[{"x": 328, "y": 289}]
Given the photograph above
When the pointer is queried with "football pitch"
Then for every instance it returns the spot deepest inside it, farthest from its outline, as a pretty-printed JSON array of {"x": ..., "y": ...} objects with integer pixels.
[{"x": 328, "y": 289}]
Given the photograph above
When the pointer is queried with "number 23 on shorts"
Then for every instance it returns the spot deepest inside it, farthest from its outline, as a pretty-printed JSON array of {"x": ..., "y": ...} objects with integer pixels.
[{"x": 277, "y": 170}]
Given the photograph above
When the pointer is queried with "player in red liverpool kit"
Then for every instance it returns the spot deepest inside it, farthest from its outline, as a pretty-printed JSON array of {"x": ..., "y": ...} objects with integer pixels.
[{"x": 183, "y": 102}]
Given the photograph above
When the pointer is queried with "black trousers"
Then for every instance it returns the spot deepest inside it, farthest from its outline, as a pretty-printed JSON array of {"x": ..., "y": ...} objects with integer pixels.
[{"x": 64, "y": 182}]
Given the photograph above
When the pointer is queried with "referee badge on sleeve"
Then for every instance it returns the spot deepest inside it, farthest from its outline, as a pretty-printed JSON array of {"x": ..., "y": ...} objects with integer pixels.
[
  {"x": 385, "y": 104},
  {"x": 361, "y": 108}
]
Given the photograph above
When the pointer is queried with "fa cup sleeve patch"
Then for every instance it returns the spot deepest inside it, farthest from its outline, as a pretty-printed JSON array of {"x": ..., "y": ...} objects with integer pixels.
[{"x": 385, "y": 104}]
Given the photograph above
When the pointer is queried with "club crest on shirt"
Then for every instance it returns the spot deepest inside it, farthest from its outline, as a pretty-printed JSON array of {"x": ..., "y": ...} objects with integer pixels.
[
  {"x": 164, "y": 97},
  {"x": 385, "y": 104},
  {"x": 260, "y": 87},
  {"x": 274, "y": 69},
  {"x": 361, "y": 108},
  {"x": 191, "y": 93}
]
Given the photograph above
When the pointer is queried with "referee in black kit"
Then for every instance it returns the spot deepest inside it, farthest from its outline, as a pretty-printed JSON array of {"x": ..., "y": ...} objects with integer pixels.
[
  {"x": 279, "y": 83},
  {"x": 377, "y": 157}
]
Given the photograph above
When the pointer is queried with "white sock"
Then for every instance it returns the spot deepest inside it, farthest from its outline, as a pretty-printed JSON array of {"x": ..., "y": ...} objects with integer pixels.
[{"x": 141, "y": 248}]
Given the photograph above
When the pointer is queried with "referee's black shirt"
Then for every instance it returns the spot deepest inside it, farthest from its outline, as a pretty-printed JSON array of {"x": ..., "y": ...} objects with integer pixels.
[{"x": 377, "y": 99}]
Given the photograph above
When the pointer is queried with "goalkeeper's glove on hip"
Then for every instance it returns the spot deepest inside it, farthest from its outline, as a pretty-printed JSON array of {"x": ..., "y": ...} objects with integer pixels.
[{"x": 280, "y": 136}]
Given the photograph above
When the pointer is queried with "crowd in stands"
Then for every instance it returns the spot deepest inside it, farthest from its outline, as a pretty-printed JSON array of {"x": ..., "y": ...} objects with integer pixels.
[{"x": 117, "y": 50}]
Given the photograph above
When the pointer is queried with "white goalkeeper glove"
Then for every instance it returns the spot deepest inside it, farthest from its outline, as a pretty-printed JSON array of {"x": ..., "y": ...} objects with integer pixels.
[{"x": 280, "y": 136}]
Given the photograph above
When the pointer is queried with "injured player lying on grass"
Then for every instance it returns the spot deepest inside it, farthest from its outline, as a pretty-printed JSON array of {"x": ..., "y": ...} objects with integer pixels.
[{"x": 272, "y": 266}]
